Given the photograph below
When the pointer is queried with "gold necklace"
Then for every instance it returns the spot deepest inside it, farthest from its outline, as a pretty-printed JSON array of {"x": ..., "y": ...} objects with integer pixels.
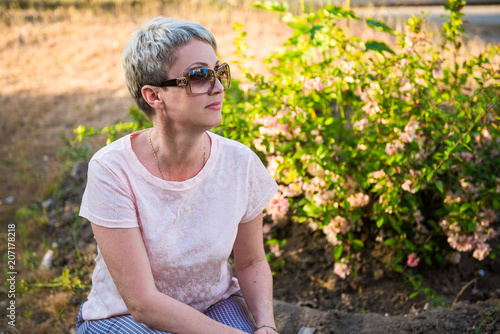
[{"x": 158, "y": 162}]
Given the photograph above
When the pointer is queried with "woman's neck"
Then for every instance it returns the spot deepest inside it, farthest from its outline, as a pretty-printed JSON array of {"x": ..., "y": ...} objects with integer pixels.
[{"x": 179, "y": 155}]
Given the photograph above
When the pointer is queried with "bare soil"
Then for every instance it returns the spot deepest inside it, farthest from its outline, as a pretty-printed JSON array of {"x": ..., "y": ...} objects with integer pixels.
[{"x": 61, "y": 68}]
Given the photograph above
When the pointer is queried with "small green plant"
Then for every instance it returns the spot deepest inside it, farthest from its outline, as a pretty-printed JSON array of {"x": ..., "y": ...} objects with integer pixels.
[
  {"x": 421, "y": 290},
  {"x": 137, "y": 121},
  {"x": 67, "y": 281},
  {"x": 275, "y": 247},
  {"x": 488, "y": 318}
]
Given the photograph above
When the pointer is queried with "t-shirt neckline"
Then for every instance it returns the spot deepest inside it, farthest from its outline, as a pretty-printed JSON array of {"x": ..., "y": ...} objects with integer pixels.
[{"x": 143, "y": 172}]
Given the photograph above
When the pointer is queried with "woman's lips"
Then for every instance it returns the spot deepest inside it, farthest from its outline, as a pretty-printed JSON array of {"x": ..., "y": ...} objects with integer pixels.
[{"x": 214, "y": 106}]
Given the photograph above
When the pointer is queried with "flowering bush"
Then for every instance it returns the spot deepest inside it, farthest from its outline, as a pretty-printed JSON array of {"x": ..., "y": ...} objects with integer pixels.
[{"x": 399, "y": 144}]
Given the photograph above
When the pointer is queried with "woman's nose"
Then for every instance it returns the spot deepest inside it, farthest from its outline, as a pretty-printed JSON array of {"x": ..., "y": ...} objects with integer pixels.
[{"x": 218, "y": 87}]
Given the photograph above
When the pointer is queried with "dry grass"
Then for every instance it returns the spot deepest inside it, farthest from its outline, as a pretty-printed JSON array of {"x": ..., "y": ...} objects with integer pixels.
[{"x": 61, "y": 68}]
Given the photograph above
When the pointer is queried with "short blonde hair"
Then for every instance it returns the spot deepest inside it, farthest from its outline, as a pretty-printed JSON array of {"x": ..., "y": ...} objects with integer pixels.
[{"x": 150, "y": 53}]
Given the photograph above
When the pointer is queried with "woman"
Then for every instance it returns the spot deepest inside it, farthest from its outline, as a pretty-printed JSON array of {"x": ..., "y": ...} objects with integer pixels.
[{"x": 170, "y": 203}]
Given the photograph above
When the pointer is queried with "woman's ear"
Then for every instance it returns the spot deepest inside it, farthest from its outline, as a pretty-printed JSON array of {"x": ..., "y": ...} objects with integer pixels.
[{"x": 151, "y": 95}]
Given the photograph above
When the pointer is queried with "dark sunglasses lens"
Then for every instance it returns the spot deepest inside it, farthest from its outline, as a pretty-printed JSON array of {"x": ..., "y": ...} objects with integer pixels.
[
  {"x": 201, "y": 80},
  {"x": 225, "y": 76}
]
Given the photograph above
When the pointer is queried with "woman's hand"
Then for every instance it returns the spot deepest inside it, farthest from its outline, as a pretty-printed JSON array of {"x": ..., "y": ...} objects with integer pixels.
[
  {"x": 265, "y": 330},
  {"x": 254, "y": 274}
]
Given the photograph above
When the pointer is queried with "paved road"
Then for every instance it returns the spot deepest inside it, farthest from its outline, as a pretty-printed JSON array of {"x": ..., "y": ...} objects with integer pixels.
[
  {"x": 481, "y": 21},
  {"x": 414, "y": 2},
  {"x": 473, "y": 14}
]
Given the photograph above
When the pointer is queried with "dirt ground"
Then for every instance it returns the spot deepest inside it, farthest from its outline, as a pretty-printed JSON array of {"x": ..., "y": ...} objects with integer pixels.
[{"x": 60, "y": 69}]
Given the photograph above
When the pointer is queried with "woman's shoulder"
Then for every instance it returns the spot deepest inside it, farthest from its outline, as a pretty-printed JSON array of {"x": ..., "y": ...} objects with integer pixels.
[
  {"x": 227, "y": 144},
  {"x": 114, "y": 152}
]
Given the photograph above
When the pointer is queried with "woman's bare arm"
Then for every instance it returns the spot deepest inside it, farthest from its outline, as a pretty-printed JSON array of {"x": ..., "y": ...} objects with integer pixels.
[
  {"x": 125, "y": 255},
  {"x": 253, "y": 272}
]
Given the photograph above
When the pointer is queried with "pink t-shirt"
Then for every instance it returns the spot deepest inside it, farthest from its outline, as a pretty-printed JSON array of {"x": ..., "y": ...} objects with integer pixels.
[{"x": 188, "y": 227}]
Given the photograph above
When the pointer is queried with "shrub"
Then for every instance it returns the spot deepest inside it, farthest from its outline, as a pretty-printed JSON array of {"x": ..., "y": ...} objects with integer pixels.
[{"x": 396, "y": 144}]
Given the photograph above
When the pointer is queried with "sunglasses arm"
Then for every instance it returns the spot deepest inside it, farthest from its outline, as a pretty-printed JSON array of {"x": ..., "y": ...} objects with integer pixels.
[{"x": 178, "y": 82}]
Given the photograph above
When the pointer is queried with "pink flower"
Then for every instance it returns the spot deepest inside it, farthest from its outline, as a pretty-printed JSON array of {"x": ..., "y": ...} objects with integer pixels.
[
  {"x": 486, "y": 134},
  {"x": 444, "y": 224},
  {"x": 467, "y": 156},
  {"x": 337, "y": 225},
  {"x": 341, "y": 269},
  {"x": 317, "y": 137},
  {"x": 278, "y": 206},
  {"x": 358, "y": 200},
  {"x": 273, "y": 163},
  {"x": 312, "y": 84},
  {"x": 413, "y": 260},
  {"x": 271, "y": 126},
  {"x": 410, "y": 132},
  {"x": 491, "y": 234},
  {"x": 394, "y": 147},
  {"x": 487, "y": 217},
  {"x": 267, "y": 228},
  {"x": 407, "y": 186},
  {"x": 361, "y": 124},
  {"x": 257, "y": 143},
  {"x": 275, "y": 249},
  {"x": 371, "y": 108},
  {"x": 361, "y": 147},
  {"x": 481, "y": 251},
  {"x": 292, "y": 190},
  {"x": 463, "y": 243},
  {"x": 418, "y": 216}
]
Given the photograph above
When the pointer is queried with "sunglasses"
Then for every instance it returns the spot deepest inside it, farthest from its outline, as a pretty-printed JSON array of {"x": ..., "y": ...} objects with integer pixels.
[{"x": 201, "y": 80}]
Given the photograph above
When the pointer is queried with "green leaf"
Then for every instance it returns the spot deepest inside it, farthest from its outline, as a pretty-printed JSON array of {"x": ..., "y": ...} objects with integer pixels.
[
  {"x": 357, "y": 245},
  {"x": 496, "y": 203},
  {"x": 394, "y": 224},
  {"x": 311, "y": 209},
  {"x": 439, "y": 186},
  {"x": 399, "y": 256},
  {"x": 273, "y": 242},
  {"x": 377, "y": 47},
  {"x": 389, "y": 242},
  {"x": 340, "y": 12},
  {"x": 467, "y": 139},
  {"x": 302, "y": 27},
  {"x": 380, "y": 26},
  {"x": 273, "y": 6},
  {"x": 380, "y": 221},
  {"x": 238, "y": 26},
  {"x": 80, "y": 129},
  {"x": 337, "y": 251},
  {"x": 413, "y": 295},
  {"x": 314, "y": 29},
  {"x": 410, "y": 245},
  {"x": 464, "y": 207},
  {"x": 471, "y": 226}
]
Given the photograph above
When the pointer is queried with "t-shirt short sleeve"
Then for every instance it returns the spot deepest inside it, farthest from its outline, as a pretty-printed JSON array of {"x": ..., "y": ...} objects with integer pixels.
[
  {"x": 107, "y": 201},
  {"x": 261, "y": 188}
]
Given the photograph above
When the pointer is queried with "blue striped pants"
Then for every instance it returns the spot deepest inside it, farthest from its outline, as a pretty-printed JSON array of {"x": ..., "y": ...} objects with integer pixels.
[{"x": 232, "y": 311}]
